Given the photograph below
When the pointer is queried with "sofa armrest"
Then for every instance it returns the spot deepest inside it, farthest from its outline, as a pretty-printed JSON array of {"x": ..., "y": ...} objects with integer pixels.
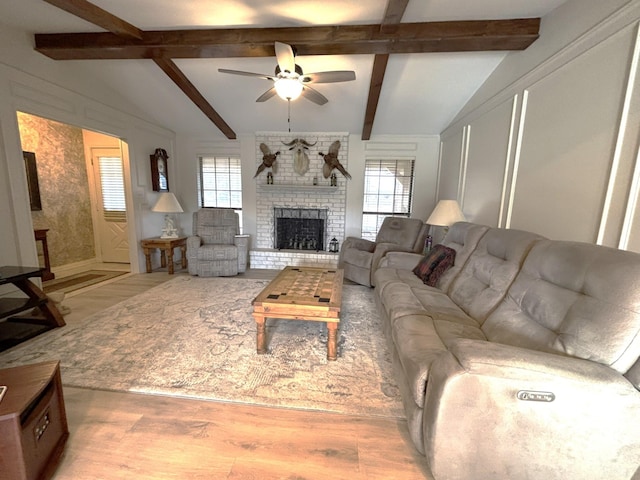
[
  {"x": 401, "y": 260},
  {"x": 498, "y": 411}
]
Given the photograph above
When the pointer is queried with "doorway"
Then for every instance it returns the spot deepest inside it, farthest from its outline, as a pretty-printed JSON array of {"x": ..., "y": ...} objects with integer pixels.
[{"x": 72, "y": 199}]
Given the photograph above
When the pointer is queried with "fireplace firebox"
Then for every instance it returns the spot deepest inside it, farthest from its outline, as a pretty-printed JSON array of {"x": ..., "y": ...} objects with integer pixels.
[{"x": 300, "y": 228}]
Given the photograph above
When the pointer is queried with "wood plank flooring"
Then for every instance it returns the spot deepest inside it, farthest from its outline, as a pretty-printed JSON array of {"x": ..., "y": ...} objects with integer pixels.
[{"x": 133, "y": 436}]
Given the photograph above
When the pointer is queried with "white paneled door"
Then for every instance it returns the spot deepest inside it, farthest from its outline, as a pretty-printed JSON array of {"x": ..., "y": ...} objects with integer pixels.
[{"x": 111, "y": 208}]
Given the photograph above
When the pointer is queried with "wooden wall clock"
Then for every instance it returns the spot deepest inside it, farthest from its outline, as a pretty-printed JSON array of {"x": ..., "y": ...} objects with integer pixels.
[{"x": 159, "y": 171}]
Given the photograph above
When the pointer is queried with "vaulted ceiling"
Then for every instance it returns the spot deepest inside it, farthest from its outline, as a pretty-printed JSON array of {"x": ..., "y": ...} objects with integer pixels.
[{"x": 416, "y": 61}]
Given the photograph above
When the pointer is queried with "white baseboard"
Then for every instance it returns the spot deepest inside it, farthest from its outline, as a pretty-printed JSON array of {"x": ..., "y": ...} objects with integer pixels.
[{"x": 73, "y": 268}]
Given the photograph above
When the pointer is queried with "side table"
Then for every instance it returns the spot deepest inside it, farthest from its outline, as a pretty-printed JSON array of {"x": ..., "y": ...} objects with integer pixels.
[
  {"x": 166, "y": 246},
  {"x": 33, "y": 421}
]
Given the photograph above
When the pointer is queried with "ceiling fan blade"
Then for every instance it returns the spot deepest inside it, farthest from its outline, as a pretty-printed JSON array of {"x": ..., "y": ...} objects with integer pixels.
[
  {"x": 284, "y": 54},
  {"x": 313, "y": 95},
  {"x": 267, "y": 95},
  {"x": 329, "y": 77},
  {"x": 247, "y": 74}
]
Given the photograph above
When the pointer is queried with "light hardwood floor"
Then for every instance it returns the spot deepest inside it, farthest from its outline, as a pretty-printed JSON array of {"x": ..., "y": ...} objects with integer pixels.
[{"x": 133, "y": 436}]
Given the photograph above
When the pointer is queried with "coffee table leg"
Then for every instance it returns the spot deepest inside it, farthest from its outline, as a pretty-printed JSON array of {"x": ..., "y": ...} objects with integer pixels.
[
  {"x": 261, "y": 338},
  {"x": 332, "y": 341}
]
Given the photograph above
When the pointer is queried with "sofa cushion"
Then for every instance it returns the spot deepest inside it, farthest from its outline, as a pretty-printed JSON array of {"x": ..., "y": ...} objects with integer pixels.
[
  {"x": 434, "y": 264},
  {"x": 576, "y": 299},
  {"x": 490, "y": 270}
]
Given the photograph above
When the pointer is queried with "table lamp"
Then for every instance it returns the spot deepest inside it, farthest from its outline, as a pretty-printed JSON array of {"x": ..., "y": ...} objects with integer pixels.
[
  {"x": 168, "y": 203},
  {"x": 446, "y": 213}
]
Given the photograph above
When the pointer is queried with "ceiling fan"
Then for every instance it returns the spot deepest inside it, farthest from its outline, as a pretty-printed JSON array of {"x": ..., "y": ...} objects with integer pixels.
[{"x": 289, "y": 82}]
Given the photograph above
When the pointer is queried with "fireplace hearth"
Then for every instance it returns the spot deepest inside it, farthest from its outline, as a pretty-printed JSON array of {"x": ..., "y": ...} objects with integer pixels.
[{"x": 300, "y": 228}]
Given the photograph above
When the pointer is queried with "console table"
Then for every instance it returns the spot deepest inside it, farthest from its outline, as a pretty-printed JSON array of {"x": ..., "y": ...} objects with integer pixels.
[
  {"x": 19, "y": 276},
  {"x": 33, "y": 421},
  {"x": 41, "y": 236},
  {"x": 166, "y": 246}
]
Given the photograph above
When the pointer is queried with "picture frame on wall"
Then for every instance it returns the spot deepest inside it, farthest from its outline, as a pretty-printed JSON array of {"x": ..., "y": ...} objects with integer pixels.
[
  {"x": 31, "y": 168},
  {"x": 159, "y": 171}
]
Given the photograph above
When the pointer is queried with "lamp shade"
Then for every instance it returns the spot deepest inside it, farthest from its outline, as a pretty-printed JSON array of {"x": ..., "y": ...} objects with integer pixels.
[
  {"x": 167, "y": 203},
  {"x": 288, "y": 88},
  {"x": 446, "y": 213}
]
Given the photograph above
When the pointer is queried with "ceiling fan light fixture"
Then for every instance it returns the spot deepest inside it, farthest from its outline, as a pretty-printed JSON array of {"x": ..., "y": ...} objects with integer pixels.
[{"x": 288, "y": 88}]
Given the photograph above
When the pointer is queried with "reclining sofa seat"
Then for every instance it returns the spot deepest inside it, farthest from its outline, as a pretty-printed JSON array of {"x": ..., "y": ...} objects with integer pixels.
[
  {"x": 569, "y": 326},
  {"x": 422, "y": 321},
  {"x": 546, "y": 386}
]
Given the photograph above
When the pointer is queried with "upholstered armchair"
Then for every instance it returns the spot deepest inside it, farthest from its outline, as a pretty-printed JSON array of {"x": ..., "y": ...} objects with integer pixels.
[
  {"x": 216, "y": 248},
  {"x": 360, "y": 258}
]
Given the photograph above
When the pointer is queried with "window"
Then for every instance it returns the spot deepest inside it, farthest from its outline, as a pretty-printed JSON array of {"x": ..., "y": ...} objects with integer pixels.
[
  {"x": 220, "y": 183},
  {"x": 114, "y": 206},
  {"x": 388, "y": 186}
]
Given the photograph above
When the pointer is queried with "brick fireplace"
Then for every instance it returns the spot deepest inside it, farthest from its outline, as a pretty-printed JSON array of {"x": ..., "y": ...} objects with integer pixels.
[{"x": 291, "y": 191}]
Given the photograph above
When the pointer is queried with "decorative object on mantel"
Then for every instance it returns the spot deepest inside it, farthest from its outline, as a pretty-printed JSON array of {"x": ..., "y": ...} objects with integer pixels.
[
  {"x": 168, "y": 204},
  {"x": 334, "y": 180},
  {"x": 269, "y": 178},
  {"x": 334, "y": 245},
  {"x": 331, "y": 161},
  {"x": 300, "y": 157},
  {"x": 268, "y": 160},
  {"x": 159, "y": 172}
]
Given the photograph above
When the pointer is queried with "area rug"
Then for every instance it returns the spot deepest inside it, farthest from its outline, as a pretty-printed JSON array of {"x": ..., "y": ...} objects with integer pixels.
[
  {"x": 195, "y": 337},
  {"x": 80, "y": 280}
]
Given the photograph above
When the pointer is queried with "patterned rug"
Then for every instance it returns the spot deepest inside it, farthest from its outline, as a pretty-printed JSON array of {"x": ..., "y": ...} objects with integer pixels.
[
  {"x": 195, "y": 337},
  {"x": 80, "y": 280}
]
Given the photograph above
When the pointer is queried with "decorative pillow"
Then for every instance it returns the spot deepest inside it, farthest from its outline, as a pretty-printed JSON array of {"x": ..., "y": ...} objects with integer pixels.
[{"x": 434, "y": 264}]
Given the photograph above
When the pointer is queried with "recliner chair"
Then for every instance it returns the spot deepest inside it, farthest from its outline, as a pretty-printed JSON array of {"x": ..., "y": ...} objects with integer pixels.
[
  {"x": 360, "y": 258},
  {"x": 216, "y": 248}
]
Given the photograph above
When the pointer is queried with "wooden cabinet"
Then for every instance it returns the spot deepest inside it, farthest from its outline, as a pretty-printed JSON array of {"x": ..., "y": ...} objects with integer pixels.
[{"x": 33, "y": 422}]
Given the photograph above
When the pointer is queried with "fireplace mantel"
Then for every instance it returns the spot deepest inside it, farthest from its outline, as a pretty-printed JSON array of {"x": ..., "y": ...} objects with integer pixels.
[{"x": 275, "y": 187}]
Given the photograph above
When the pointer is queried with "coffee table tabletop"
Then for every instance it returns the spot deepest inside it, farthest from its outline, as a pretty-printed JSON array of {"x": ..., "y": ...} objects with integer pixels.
[{"x": 301, "y": 293}]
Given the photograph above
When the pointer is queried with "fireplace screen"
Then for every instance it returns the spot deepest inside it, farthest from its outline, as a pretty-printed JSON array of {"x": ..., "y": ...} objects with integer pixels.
[{"x": 300, "y": 228}]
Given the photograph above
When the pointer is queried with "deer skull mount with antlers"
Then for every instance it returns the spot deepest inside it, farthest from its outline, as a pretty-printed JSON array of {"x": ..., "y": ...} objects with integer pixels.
[{"x": 300, "y": 157}]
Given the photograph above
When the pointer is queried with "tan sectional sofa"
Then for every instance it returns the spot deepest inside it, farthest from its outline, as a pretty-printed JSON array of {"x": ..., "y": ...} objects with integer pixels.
[{"x": 523, "y": 361}]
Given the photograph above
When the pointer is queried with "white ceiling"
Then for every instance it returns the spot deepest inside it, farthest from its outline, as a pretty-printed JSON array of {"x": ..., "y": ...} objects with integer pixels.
[{"x": 421, "y": 93}]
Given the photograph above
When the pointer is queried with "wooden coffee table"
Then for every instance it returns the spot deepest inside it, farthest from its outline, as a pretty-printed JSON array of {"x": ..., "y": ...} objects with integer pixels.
[{"x": 302, "y": 293}]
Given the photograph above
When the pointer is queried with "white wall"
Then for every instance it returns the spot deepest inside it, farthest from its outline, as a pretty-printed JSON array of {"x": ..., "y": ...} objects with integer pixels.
[
  {"x": 31, "y": 83},
  {"x": 550, "y": 142}
]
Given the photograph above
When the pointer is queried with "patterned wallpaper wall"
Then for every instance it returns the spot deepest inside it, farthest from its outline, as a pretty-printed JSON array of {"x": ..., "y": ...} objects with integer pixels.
[{"x": 64, "y": 188}]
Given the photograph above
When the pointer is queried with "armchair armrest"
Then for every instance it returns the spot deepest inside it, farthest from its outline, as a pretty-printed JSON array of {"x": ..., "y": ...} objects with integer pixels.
[
  {"x": 498, "y": 411},
  {"x": 242, "y": 242},
  {"x": 358, "y": 244},
  {"x": 401, "y": 260},
  {"x": 193, "y": 241},
  {"x": 381, "y": 250}
]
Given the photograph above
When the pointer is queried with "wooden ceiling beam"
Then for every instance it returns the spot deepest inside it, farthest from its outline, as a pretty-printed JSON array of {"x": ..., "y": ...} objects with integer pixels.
[
  {"x": 96, "y": 15},
  {"x": 179, "y": 78},
  {"x": 123, "y": 30},
  {"x": 392, "y": 17},
  {"x": 377, "y": 77},
  {"x": 514, "y": 34}
]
